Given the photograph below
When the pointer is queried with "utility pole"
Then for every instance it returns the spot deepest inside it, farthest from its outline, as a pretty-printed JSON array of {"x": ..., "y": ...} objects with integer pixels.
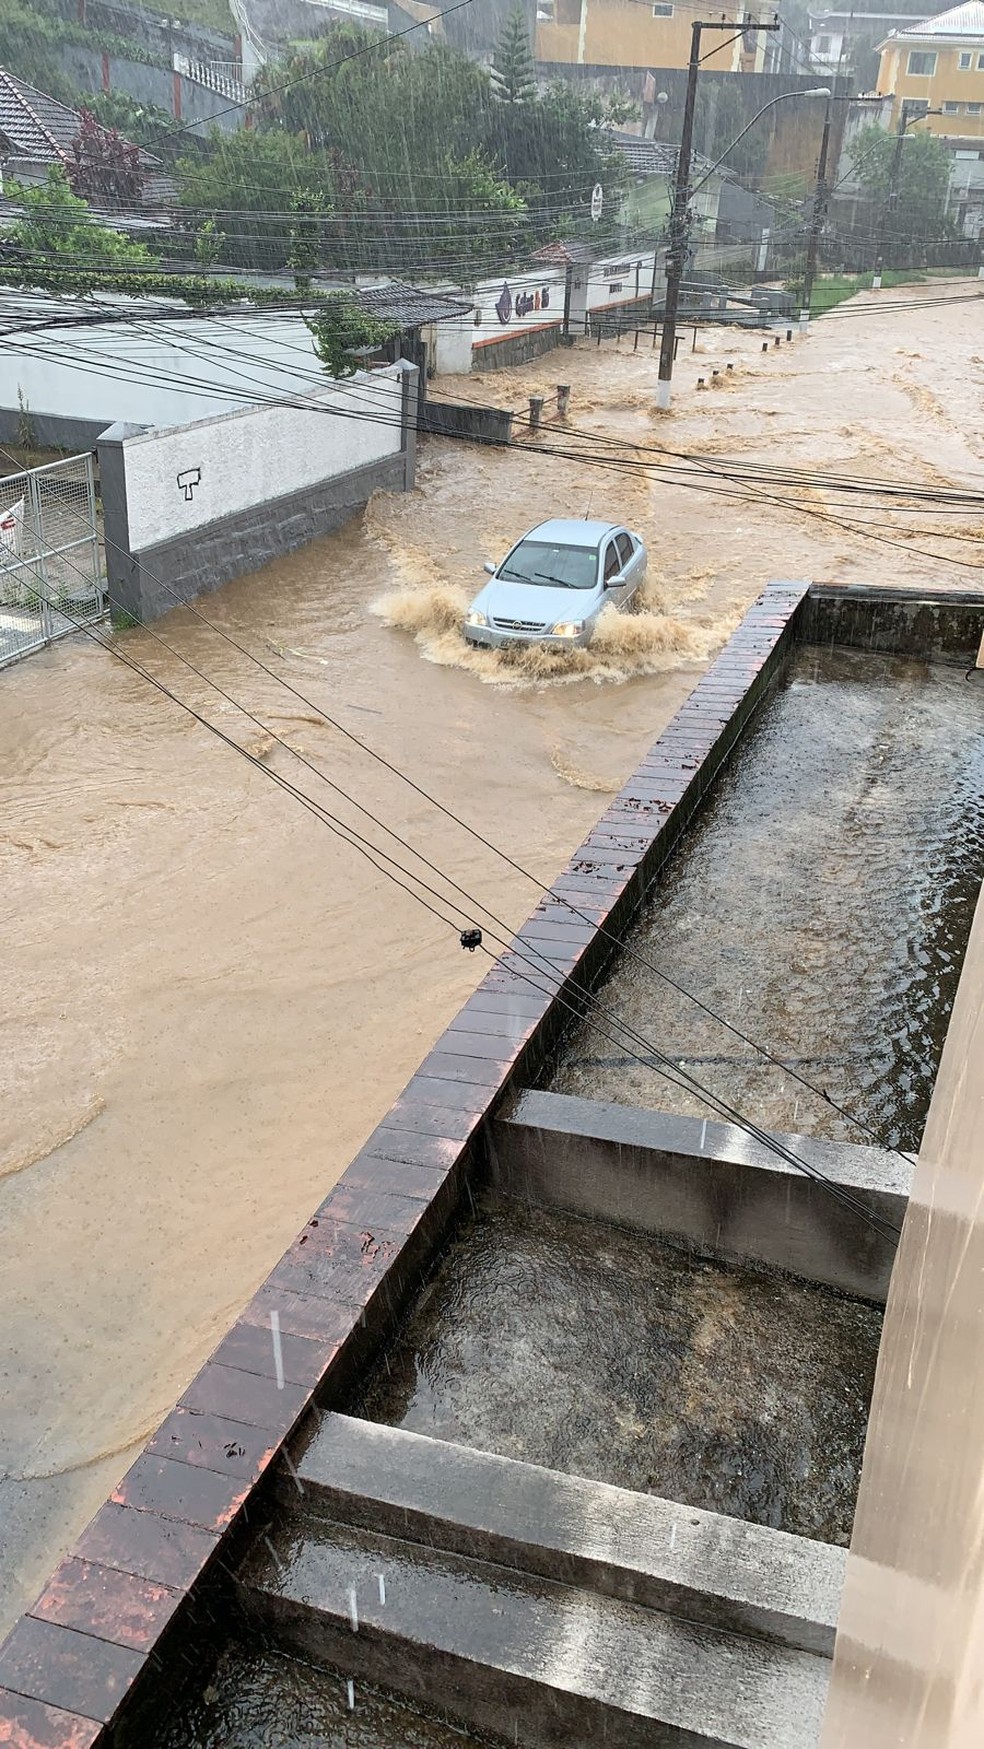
[
  {"x": 816, "y": 223},
  {"x": 676, "y": 255},
  {"x": 892, "y": 199}
]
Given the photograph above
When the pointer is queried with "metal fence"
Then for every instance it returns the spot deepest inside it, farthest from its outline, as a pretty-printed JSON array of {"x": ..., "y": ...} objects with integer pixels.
[{"x": 51, "y": 561}]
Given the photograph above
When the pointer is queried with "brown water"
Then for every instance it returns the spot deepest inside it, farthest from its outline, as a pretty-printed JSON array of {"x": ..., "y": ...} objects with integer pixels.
[
  {"x": 821, "y": 905},
  {"x": 208, "y": 1003},
  {"x": 608, "y": 1354}
]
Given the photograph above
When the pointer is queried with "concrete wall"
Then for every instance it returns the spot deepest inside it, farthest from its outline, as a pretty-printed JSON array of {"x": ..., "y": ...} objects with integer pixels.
[
  {"x": 154, "y": 31},
  {"x": 505, "y": 332},
  {"x": 161, "y": 373},
  {"x": 188, "y": 508},
  {"x": 195, "y": 105}
]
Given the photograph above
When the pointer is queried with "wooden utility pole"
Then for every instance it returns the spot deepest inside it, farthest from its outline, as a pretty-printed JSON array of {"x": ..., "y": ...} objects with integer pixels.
[
  {"x": 676, "y": 255},
  {"x": 816, "y": 222}
]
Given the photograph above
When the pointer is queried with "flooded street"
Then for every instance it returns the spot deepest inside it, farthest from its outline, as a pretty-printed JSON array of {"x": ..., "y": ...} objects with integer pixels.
[{"x": 209, "y": 1001}]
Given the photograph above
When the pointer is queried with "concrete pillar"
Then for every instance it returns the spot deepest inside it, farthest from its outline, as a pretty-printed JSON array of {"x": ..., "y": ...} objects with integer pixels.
[
  {"x": 122, "y": 569},
  {"x": 910, "y": 1639},
  {"x": 411, "y": 390}
]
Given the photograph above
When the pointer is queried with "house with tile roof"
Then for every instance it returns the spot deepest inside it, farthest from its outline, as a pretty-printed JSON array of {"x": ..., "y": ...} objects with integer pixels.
[{"x": 37, "y": 131}]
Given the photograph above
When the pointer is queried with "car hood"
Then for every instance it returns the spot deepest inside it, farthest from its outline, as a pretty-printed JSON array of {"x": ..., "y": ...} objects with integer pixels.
[{"x": 533, "y": 602}]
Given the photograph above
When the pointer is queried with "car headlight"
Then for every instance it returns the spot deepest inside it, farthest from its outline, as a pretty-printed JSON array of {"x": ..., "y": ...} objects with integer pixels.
[
  {"x": 475, "y": 619},
  {"x": 569, "y": 628}
]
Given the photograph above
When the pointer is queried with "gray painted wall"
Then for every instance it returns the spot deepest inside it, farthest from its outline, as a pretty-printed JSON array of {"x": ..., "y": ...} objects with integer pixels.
[{"x": 200, "y": 107}]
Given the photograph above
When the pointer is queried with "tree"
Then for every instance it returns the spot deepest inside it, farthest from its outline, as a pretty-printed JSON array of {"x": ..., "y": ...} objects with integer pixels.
[
  {"x": 58, "y": 230},
  {"x": 209, "y": 243},
  {"x": 339, "y": 328},
  {"x": 256, "y": 176},
  {"x": 513, "y": 73},
  {"x": 721, "y": 111},
  {"x": 306, "y": 238},
  {"x": 105, "y": 167},
  {"x": 922, "y": 184},
  {"x": 145, "y": 123},
  {"x": 404, "y": 162},
  {"x": 30, "y": 50}
]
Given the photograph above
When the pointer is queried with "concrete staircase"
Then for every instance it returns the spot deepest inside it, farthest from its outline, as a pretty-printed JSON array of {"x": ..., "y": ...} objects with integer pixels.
[{"x": 541, "y": 1607}]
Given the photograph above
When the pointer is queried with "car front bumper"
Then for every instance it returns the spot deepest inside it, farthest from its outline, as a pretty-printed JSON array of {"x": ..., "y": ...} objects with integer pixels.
[{"x": 489, "y": 638}]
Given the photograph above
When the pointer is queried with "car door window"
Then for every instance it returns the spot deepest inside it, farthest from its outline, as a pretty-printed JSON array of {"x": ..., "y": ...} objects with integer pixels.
[
  {"x": 613, "y": 563},
  {"x": 625, "y": 549}
]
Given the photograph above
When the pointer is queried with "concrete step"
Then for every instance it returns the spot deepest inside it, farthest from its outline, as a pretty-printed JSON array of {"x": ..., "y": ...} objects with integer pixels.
[
  {"x": 534, "y": 1662},
  {"x": 717, "y": 1571}
]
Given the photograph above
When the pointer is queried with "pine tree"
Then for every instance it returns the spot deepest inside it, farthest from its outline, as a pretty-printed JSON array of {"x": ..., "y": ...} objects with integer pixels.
[{"x": 513, "y": 75}]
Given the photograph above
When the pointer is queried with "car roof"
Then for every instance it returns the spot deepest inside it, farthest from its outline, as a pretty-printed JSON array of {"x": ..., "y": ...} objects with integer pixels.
[{"x": 573, "y": 531}]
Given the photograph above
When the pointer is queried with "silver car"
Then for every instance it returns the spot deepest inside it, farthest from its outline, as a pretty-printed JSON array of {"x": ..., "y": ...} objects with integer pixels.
[{"x": 555, "y": 582}]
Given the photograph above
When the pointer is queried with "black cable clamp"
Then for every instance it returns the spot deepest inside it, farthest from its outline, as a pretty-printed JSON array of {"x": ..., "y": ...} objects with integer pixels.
[{"x": 471, "y": 938}]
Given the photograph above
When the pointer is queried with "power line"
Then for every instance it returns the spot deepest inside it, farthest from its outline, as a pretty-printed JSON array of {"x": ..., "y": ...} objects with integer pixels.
[
  {"x": 264, "y": 667},
  {"x": 541, "y": 974}
]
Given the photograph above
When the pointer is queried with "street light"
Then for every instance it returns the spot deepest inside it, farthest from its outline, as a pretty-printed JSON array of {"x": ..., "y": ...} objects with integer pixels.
[
  {"x": 676, "y": 255},
  {"x": 820, "y": 209},
  {"x": 814, "y": 91},
  {"x": 888, "y": 210}
]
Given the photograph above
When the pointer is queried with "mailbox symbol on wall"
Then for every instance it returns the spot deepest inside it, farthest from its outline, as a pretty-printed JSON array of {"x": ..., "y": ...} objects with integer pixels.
[{"x": 188, "y": 481}]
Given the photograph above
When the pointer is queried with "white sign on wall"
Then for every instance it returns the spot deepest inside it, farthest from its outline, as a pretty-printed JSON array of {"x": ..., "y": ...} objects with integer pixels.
[{"x": 597, "y": 202}]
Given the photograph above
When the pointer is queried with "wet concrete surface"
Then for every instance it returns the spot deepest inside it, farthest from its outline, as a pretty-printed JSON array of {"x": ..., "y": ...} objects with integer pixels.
[
  {"x": 822, "y": 905},
  {"x": 607, "y": 1354},
  {"x": 261, "y": 1699}
]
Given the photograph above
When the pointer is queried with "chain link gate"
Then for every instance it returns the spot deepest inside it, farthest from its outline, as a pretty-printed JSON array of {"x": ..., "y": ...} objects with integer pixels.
[{"x": 51, "y": 562}]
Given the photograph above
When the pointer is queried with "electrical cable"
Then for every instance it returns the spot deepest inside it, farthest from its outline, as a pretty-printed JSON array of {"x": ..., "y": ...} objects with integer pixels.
[
  {"x": 554, "y": 981},
  {"x": 279, "y": 679}
]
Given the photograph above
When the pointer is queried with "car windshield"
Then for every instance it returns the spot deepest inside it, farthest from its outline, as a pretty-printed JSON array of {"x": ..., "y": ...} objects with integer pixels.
[{"x": 545, "y": 562}]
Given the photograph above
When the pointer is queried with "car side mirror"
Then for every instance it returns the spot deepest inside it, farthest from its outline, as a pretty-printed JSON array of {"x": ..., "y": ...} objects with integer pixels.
[{"x": 489, "y": 567}]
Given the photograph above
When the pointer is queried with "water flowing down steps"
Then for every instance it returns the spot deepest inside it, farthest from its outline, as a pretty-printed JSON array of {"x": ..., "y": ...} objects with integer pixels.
[{"x": 514, "y": 1598}]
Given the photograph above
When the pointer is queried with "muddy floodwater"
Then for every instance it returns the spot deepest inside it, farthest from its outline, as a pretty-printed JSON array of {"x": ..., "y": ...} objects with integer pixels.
[
  {"x": 821, "y": 905},
  {"x": 207, "y": 1001},
  {"x": 608, "y": 1354}
]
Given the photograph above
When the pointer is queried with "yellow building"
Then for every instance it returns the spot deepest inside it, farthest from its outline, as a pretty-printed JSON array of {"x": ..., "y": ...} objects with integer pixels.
[
  {"x": 939, "y": 65},
  {"x": 638, "y": 33}
]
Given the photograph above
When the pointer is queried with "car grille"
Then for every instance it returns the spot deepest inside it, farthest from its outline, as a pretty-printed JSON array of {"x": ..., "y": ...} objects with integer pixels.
[{"x": 530, "y": 627}]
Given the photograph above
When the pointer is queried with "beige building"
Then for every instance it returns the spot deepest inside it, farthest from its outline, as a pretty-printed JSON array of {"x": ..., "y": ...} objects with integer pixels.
[
  {"x": 638, "y": 33},
  {"x": 938, "y": 65}
]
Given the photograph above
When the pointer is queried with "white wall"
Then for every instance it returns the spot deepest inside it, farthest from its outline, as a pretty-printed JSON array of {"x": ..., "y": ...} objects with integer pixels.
[
  {"x": 158, "y": 371},
  {"x": 604, "y": 284},
  {"x": 248, "y": 458}
]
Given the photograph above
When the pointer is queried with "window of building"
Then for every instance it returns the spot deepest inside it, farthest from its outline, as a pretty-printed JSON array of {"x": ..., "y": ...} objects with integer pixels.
[
  {"x": 980, "y": 63},
  {"x": 965, "y": 62},
  {"x": 662, "y": 10},
  {"x": 973, "y": 109},
  {"x": 951, "y": 109},
  {"x": 823, "y": 45},
  {"x": 922, "y": 63}
]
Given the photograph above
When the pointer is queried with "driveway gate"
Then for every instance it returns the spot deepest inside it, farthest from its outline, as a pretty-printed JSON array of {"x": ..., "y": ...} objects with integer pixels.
[{"x": 51, "y": 567}]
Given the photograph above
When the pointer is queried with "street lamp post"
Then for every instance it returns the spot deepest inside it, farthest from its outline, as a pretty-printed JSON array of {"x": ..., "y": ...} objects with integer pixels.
[
  {"x": 888, "y": 210},
  {"x": 816, "y": 222},
  {"x": 676, "y": 254}
]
